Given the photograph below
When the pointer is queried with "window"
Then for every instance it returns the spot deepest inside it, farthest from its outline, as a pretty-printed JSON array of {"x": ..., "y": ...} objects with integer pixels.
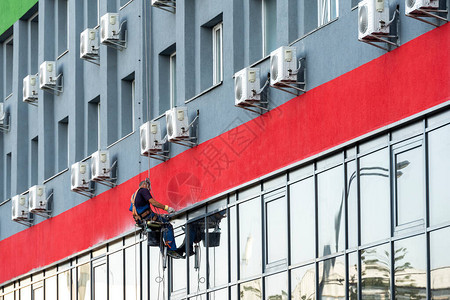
[
  {"x": 100, "y": 281},
  {"x": 331, "y": 220},
  {"x": 84, "y": 282},
  {"x": 327, "y": 11},
  {"x": 332, "y": 278},
  {"x": 302, "y": 211},
  {"x": 375, "y": 272},
  {"x": 269, "y": 25},
  {"x": 303, "y": 283},
  {"x": 128, "y": 95},
  {"x": 353, "y": 276},
  {"x": 63, "y": 144},
  {"x": 93, "y": 134},
  {"x": 8, "y": 176},
  {"x": 409, "y": 184},
  {"x": 34, "y": 43},
  {"x": 217, "y": 249},
  {"x": 51, "y": 288},
  {"x": 34, "y": 149},
  {"x": 65, "y": 283},
  {"x": 410, "y": 268},
  {"x": 439, "y": 164},
  {"x": 173, "y": 79},
  {"x": 132, "y": 278},
  {"x": 250, "y": 238},
  {"x": 115, "y": 262},
  {"x": 8, "y": 64},
  {"x": 276, "y": 228},
  {"x": 217, "y": 54},
  {"x": 93, "y": 13},
  {"x": 63, "y": 26},
  {"x": 276, "y": 286},
  {"x": 440, "y": 264},
  {"x": 375, "y": 196}
]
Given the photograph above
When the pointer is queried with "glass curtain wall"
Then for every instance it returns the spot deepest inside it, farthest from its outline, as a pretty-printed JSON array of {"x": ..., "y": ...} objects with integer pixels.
[{"x": 370, "y": 221}]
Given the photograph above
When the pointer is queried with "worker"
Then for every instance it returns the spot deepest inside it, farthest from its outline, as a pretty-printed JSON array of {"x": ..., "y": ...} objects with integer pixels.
[{"x": 141, "y": 206}]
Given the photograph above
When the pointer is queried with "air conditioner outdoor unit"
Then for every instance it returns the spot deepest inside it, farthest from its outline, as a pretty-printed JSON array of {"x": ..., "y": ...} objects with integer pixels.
[
  {"x": 177, "y": 123},
  {"x": 372, "y": 16},
  {"x": 2, "y": 114},
  {"x": 246, "y": 86},
  {"x": 89, "y": 43},
  {"x": 414, "y": 6},
  {"x": 100, "y": 165},
  {"x": 150, "y": 138},
  {"x": 30, "y": 91},
  {"x": 47, "y": 74},
  {"x": 20, "y": 210},
  {"x": 79, "y": 176},
  {"x": 109, "y": 27},
  {"x": 283, "y": 66},
  {"x": 37, "y": 198}
]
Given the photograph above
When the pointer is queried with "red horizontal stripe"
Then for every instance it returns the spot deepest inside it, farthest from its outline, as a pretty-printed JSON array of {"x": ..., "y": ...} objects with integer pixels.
[{"x": 400, "y": 83}]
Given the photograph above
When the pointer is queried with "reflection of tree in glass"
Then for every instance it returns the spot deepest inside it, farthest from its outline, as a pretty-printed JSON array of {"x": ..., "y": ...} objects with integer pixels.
[
  {"x": 375, "y": 274},
  {"x": 406, "y": 285},
  {"x": 251, "y": 290},
  {"x": 353, "y": 283},
  {"x": 283, "y": 296}
]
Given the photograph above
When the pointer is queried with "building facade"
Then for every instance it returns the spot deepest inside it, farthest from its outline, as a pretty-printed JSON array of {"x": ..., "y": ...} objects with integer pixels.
[{"x": 340, "y": 191}]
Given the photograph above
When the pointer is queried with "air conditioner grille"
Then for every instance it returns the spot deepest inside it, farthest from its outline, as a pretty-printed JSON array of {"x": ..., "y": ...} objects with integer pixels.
[
  {"x": 82, "y": 47},
  {"x": 238, "y": 89},
  {"x": 274, "y": 68},
  {"x": 410, "y": 3},
  {"x": 103, "y": 31},
  {"x": 94, "y": 168},
  {"x": 363, "y": 19},
  {"x": 143, "y": 140},
  {"x": 169, "y": 125}
]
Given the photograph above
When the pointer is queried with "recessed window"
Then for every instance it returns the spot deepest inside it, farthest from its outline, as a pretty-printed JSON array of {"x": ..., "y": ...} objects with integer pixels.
[
  {"x": 63, "y": 144},
  {"x": 93, "y": 134},
  {"x": 127, "y": 103},
  {"x": 327, "y": 11},
  {"x": 63, "y": 25},
  {"x": 8, "y": 64},
  {"x": 217, "y": 54},
  {"x": 173, "y": 79},
  {"x": 269, "y": 25}
]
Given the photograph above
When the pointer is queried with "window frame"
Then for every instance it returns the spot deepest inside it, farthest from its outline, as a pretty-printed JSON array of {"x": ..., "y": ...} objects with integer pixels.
[
  {"x": 324, "y": 17},
  {"x": 217, "y": 62},
  {"x": 172, "y": 79}
]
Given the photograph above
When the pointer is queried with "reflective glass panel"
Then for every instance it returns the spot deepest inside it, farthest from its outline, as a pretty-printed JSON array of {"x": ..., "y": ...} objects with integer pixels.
[
  {"x": 410, "y": 187},
  {"x": 218, "y": 248},
  {"x": 331, "y": 212},
  {"x": 25, "y": 293},
  {"x": 219, "y": 295},
  {"x": 302, "y": 219},
  {"x": 179, "y": 278},
  {"x": 332, "y": 278},
  {"x": 440, "y": 264},
  {"x": 50, "y": 288},
  {"x": 353, "y": 276},
  {"x": 132, "y": 264},
  {"x": 251, "y": 290},
  {"x": 233, "y": 243},
  {"x": 197, "y": 258},
  {"x": 249, "y": 192},
  {"x": 301, "y": 172},
  {"x": 410, "y": 268},
  {"x": 303, "y": 283},
  {"x": 84, "y": 283},
  {"x": 269, "y": 25},
  {"x": 276, "y": 227},
  {"x": 276, "y": 287},
  {"x": 375, "y": 198},
  {"x": 156, "y": 274},
  {"x": 250, "y": 237},
  {"x": 234, "y": 292},
  {"x": 100, "y": 282},
  {"x": 199, "y": 297},
  {"x": 275, "y": 182},
  {"x": 65, "y": 283},
  {"x": 144, "y": 263},
  {"x": 407, "y": 131},
  {"x": 9, "y": 296},
  {"x": 38, "y": 294},
  {"x": 116, "y": 276},
  {"x": 439, "y": 166},
  {"x": 375, "y": 272},
  {"x": 352, "y": 204}
]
